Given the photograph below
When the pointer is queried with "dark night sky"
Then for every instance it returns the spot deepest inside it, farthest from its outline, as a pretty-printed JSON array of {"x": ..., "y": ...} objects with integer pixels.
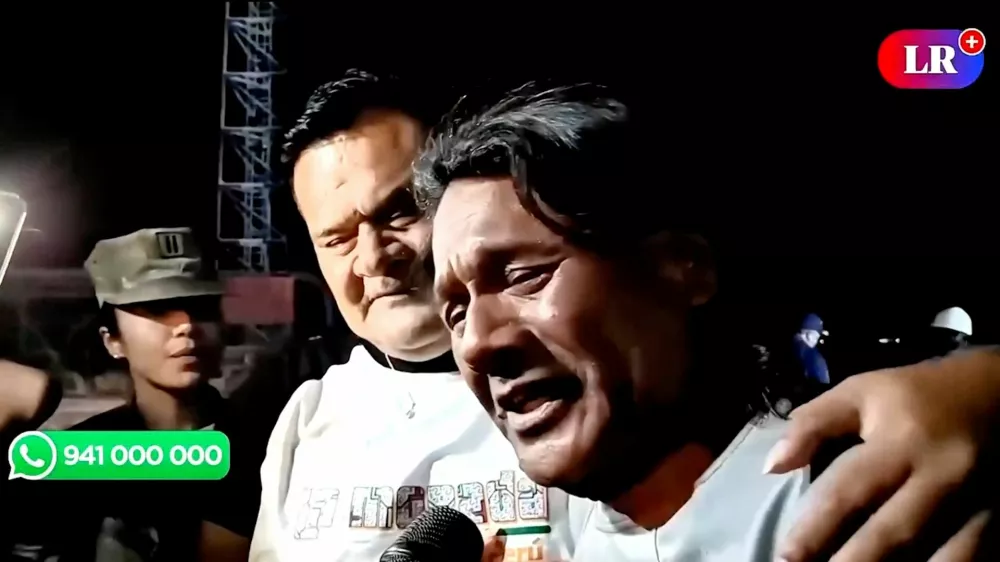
[{"x": 837, "y": 183}]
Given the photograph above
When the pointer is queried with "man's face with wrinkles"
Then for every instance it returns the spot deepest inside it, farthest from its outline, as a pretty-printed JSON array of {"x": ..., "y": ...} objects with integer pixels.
[
  {"x": 574, "y": 354},
  {"x": 371, "y": 242}
]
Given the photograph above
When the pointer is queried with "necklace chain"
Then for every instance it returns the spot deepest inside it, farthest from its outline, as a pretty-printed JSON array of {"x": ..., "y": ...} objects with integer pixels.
[{"x": 412, "y": 411}]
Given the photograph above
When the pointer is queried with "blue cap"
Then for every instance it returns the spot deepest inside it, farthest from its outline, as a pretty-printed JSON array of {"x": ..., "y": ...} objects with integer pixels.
[{"x": 812, "y": 322}]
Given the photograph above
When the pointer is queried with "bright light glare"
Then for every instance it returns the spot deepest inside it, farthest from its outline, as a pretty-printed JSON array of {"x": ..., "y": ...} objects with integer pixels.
[{"x": 13, "y": 211}]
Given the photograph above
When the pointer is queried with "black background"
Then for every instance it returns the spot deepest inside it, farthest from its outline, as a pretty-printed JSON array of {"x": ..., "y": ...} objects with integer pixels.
[{"x": 871, "y": 206}]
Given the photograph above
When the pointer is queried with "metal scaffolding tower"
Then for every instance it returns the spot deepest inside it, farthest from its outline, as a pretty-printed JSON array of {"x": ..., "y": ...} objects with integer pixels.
[{"x": 250, "y": 139}]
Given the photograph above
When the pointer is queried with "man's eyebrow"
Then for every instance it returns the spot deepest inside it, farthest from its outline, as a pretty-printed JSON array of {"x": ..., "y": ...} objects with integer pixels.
[
  {"x": 492, "y": 258},
  {"x": 507, "y": 250},
  {"x": 400, "y": 196},
  {"x": 336, "y": 227}
]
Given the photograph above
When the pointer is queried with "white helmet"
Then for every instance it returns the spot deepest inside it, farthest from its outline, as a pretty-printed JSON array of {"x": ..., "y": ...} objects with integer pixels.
[{"x": 954, "y": 319}]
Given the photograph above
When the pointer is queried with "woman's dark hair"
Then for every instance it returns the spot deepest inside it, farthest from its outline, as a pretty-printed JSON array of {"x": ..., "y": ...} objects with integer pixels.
[
  {"x": 106, "y": 319},
  {"x": 592, "y": 170}
]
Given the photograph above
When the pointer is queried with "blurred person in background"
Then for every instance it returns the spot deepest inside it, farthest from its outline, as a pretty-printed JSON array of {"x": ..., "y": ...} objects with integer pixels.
[
  {"x": 950, "y": 330},
  {"x": 30, "y": 391},
  {"x": 160, "y": 315},
  {"x": 807, "y": 342},
  {"x": 29, "y": 369}
]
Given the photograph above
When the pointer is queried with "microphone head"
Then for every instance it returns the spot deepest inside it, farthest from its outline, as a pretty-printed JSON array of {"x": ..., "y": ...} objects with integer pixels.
[{"x": 440, "y": 534}]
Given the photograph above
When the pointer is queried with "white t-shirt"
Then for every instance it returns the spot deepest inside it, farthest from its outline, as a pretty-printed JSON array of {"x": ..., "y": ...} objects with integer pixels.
[
  {"x": 737, "y": 514},
  {"x": 356, "y": 456}
]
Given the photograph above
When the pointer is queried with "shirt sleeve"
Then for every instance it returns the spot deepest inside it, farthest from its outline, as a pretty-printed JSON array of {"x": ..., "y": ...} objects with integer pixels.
[{"x": 276, "y": 470}]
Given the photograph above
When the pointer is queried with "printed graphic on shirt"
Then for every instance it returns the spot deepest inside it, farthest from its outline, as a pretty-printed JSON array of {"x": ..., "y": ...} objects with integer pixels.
[
  {"x": 371, "y": 508},
  {"x": 506, "y": 500},
  {"x": 321, "y": 506},
  {"x": 410, "y": 502},
  {"x": 515, "y": 507}
]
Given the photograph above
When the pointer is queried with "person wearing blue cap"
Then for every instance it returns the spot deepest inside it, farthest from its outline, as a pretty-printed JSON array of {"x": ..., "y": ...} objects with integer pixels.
[{"x": 806, "y": 343}]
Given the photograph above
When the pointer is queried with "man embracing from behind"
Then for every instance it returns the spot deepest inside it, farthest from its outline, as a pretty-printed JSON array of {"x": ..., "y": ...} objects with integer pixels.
[{"x": 356, "y": 456}]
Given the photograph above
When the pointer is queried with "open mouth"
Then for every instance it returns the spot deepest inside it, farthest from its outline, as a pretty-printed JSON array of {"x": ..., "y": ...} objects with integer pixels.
[
  {"x": 532, "y": 407},
  {"x": 389, "y": 295},
  {"x": 397, "y": 292}
]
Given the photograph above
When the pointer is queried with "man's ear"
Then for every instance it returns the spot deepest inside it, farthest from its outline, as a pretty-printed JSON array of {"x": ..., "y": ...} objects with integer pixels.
[
  {"x": 685, "y": 261},
  {"x": 111, "y": 343}
]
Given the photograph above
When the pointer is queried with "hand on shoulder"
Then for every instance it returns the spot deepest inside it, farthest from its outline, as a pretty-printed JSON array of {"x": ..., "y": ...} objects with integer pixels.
[{"x": 929, "y": 430}]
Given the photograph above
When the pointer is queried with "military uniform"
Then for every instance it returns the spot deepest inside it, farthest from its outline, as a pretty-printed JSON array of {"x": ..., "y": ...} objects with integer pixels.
[{"x": 124, "y": 521}]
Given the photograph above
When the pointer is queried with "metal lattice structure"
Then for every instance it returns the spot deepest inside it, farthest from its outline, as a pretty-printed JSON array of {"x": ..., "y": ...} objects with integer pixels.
[{"x": 250, "y": 138}]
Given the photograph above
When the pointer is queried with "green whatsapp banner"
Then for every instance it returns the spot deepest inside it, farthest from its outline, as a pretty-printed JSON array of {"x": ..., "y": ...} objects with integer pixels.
[{"x": 119, "y": 455}]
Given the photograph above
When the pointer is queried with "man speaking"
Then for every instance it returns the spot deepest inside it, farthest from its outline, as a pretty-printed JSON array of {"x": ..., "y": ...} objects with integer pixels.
[
  {"x": 580, "y": 310},
  {"x": 590, "y": 339}
]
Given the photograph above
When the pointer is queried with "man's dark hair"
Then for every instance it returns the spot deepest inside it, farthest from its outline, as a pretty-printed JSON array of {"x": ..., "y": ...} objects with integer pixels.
[
  {"x": 336, "y": 105},
  {"x": 579, "y": 159}
]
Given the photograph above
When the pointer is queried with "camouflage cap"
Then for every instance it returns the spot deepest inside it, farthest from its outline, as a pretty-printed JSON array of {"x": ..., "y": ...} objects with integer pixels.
[{"x": 148, "y": 265}]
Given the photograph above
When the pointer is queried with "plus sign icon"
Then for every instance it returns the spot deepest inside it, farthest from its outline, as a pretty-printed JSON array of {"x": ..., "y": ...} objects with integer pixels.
[
  {"x": 932, "y": 59},
  {"x": 972, "y": 42}
]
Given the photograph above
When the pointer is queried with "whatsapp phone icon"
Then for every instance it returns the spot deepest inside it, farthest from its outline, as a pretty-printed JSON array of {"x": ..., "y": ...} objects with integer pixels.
[{"x": 32, "y": 456}]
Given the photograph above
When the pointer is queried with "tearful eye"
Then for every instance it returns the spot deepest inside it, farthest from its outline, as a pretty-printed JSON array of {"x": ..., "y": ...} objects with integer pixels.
[
  {"x": 400, "y": 219},
  {"x": 400, "y": 212},
  {"x": 454, "y": 316},
  {"x": 338, "y": 245},
  {"x": 528, "y": 280}
]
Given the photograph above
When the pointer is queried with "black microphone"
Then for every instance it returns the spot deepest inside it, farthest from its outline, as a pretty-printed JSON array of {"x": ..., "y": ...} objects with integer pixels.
[{"x": 440, "y": 534}]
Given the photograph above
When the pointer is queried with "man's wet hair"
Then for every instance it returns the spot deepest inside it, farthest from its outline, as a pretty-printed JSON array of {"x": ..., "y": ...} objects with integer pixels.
[{"x": 335, "y": 106}]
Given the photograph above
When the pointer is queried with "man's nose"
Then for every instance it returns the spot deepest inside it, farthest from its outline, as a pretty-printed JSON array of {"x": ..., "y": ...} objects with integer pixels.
[
  {"x": 494, "y": 341},
  {"x": 371, "y": 256}
]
